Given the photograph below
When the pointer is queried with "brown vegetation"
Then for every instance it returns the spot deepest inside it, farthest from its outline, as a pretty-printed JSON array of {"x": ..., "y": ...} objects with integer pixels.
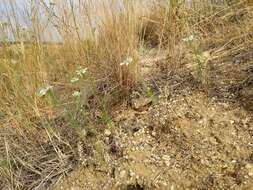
[{"x": 50, "y": 94}]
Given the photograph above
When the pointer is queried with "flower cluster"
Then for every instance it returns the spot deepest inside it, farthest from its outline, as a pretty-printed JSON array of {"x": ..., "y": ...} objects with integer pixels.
[
  {"x": 127, "y": 61},
  {"x": 76, "y": 94},
  {"x": 191, "y": 38},
  {"x": 79, "y": 74}
]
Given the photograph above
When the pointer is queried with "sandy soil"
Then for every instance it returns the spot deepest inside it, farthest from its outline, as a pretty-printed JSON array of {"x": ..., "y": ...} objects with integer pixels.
[{"x": 178, "y": 138}]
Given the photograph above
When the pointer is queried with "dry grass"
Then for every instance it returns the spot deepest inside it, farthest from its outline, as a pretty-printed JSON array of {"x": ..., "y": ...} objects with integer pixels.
[
  {"x": 36, "y": 149},
  {"x": 223, "y": 52},
  {"x": 214, "y": 40}
]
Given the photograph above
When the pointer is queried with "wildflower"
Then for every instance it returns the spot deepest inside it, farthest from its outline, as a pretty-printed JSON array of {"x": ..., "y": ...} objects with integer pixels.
[
  {"x": 200, "y": 58},
  {"x": 127, "y": 61},
  {"x": 190, "y": 38},
  {"x": 43, "y": 90},
  {"x": 76, "y": 94},
  {"x": 14, "y": 62},
  {"x": 74, "y": 79},
  {"x": 81, "y": 71}
]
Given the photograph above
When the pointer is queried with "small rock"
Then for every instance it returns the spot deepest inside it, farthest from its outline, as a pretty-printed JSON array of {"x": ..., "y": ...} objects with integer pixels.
[
  {"x": 141, "y": 104},
  {"x": 107, "y": 140},
  {"x": 131, "y": 173},
  {"x": 85, "y": 133},
  {"x": 250, "y": 169},
  {"x": 122, "y": 174},
  {"x": 107, "y": 132},
  {"x": 166, "y": 159}
]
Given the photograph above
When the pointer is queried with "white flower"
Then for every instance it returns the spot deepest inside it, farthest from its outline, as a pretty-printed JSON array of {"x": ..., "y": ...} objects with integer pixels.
[
  {"x": 76, "y": 94},
  {"x": 43, "y": 90},
  {"x": 74, "y": 79},
  {"x": 81, "y": 71},
  {"x": 14, "y": 62},
  {"x": 189, "y": 38},
  {"x": 127, "y": 61}
]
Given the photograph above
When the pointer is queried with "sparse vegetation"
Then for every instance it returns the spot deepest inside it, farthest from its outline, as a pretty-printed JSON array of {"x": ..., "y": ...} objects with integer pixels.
[{"x": 56, "y": 93}]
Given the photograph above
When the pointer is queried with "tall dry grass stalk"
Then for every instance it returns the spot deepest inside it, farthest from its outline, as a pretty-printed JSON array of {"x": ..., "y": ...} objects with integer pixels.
[{"x": 36, "y": 89}]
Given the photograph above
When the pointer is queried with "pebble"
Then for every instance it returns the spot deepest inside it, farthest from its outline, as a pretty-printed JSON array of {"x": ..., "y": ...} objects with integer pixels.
[
  {"x": 166, "y": 159},
  {"x": 122, "y": 174},
  {"x": 107, "y": 140},
  {"x": 107, "y": 132},
  {"x": 250, "y": 169},
  {"x": 131, "y": 173},
  {"x": 85, "y": 132}
]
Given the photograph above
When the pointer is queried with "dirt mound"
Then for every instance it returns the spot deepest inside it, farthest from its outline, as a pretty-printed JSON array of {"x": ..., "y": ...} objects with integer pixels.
[{"x": 184, "y": 140}]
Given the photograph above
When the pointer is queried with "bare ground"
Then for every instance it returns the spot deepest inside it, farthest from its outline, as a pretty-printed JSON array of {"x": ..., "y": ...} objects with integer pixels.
[{"x": 177, "y": 138}]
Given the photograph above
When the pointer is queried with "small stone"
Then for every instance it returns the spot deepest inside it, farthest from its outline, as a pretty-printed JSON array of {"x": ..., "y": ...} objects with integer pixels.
[
  {"x": 250, "y": 169},
  {"x": 122, "y": 174},
  {"x": 131, "y": 173},
  {"x": 85, "y": 132},
  {"x": 134, "y": 142},
  {"x": 166, "y": 159},
  {"x": 107, "y": 132},
  {"x": 107, "y": 140},
  {"x": 232, "y": 121}
]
